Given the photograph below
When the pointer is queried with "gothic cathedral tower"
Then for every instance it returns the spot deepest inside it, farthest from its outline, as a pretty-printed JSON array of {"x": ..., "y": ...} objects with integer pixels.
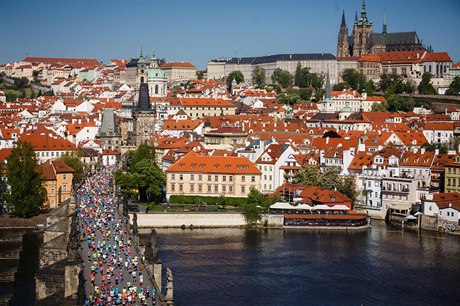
[
  {"x": 362, "y": 30},
  {"x": 343, "y": 48}
]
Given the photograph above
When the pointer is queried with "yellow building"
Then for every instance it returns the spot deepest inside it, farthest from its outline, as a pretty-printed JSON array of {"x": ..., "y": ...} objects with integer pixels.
[
  {"x": 452, "y": 175},
  {"x": 57, "y": 180},
  {"x": 196, "y": 174}
]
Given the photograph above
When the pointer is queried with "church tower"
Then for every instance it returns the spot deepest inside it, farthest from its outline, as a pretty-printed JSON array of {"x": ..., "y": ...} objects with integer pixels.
[
  {"x": 141, "y": 70},
  {"x": 342, "y": 44},
  {"x": 156, "y": 79},
  {"x": 362, "y": 30}
]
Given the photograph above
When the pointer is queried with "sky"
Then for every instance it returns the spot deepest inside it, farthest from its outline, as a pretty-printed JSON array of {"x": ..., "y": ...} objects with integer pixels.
[{"x": 198, "y": 31}]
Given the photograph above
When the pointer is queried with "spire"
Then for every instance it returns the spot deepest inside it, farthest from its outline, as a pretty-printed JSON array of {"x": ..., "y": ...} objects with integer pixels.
[
  {"x": 356, "y": 17},
  {"x": 343, "y": 20},
  {"x": 384, "y": 30},
  {"x": 363, "y": 18}
]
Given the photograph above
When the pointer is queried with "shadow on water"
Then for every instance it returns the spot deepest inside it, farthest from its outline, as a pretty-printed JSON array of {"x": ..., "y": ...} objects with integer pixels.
[{"x": 252, "y": 238}]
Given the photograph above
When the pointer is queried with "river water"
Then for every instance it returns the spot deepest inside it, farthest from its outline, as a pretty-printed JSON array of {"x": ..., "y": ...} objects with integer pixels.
[{"x": 379, "y": 266}]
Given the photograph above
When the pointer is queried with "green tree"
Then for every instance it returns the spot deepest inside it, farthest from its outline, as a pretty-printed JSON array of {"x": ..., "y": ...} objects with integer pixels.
[
  {"x": 143, "y": 151},
  {"x": 149, "y": 180},
  {"x": 331, "y": 180},
  {"x": 395, "y": 103},
  {"x": 256, "y": 197},
  {"x": 370, "y": 88},
  {"x": 307, "y": 176},
  {"x": 354, "y": 79},
  {"x": 349, "y": 188},
  {"x": 251, "y": 214},
  {"x": 454, "y": 87},
  {"x": 425, "y": 87},
  {"x": 316, "y": 81},
  {"x": 75, "y": 163},
  {"x": 24, "y": 178},
  {"x": 339, "y": 86},
  {"x": 379, "y": 107},
  {"x": 258, "y": 76},
  {"x": 125, "y": 182},
  {"x": 235, "y": 75},
  {"x": 283, "y": 78},
  {"x": 305, "y": 93},
  {"x": 3, "y": 194},
  {"x": 298, "y": 75}
]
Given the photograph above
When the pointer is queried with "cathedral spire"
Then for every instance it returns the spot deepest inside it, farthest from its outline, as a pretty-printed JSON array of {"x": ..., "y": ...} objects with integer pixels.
[
  {"x": 343, "y": 19},
  {"x": 356, "y": 17},
  {"x": 363, "y": 19},
  {"x": 384, "y": 30}
]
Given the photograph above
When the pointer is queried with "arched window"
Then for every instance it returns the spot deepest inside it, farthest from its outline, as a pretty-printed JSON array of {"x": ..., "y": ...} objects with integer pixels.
[
  {"x": 142, "y": 79},
  {"x": 156, "y": 89}
]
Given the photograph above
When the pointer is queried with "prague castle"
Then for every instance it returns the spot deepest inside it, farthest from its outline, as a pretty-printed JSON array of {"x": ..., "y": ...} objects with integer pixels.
[{"x": 364, "y": 40}]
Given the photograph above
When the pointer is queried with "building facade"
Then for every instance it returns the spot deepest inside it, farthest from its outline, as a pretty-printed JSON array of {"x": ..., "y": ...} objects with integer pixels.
[{"x": 197, "y": 175}]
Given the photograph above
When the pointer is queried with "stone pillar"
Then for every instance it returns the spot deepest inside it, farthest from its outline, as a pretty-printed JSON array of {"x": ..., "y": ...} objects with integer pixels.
[
  {"x": 169, "y": 287},
  {"x": 157, "y": 273},
  {"x": 72, "y": 281}
]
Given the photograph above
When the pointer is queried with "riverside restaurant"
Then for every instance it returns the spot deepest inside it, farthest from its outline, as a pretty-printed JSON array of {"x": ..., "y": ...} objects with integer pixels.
[{"x": 319, "y": 216}]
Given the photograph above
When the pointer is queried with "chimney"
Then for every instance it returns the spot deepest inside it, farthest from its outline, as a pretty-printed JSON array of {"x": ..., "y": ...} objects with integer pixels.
[
  {"x": 422, "y": 151},
  {"x": 327, "y": 140}
]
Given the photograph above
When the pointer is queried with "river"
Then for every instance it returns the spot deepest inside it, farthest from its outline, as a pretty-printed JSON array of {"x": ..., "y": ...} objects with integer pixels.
[{"x": 379, "y": 266}]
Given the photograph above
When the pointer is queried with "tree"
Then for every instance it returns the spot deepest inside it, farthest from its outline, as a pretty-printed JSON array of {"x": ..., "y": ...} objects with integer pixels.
[
  {"x": 75, "y": 163},
  {"x": 297, "y": 75},
  {"x": 251, "y": 213},
  {"x": 235, "y": 75},
  {"x": 425, "y": 87},
  {"x": 370, "y": 88},
  {"x": 379, "y": 107},
  {"x": 330, "y": 179},
  {"x": 349, "y": 188},
  {"x": 454, "y": 87},
  {"x": 354, "y": 79},
  {"x": 339, "y": 86},
  {"x": 395, "y": 103},
  {"x": 316, "y": 81},
  {"x": 143, "y": 151},
  {"x": 307, "y": 176},
  {"x": 256, "y": 197},
  {"x": 258, "y": 76},
  {"x": 149, "y": 179},
  {"x": 24, "y": 178},
  {"x": 282, "y": 77},
  {"x": 21, "y": 82},
  {"x": 3, "y": 193}
]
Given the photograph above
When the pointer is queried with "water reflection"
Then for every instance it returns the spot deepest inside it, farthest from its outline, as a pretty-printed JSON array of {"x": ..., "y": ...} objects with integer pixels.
[{"x": 294, "y": 267}]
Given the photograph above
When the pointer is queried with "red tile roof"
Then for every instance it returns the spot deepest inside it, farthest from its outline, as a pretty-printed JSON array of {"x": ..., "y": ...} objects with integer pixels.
[
  {"x": 177, "y": 65},
  {"x": 196, "y": 163}
]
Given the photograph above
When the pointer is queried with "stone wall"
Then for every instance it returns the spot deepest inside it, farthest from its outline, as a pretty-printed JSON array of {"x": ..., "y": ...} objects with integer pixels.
[{"x": 200, "y": 220}]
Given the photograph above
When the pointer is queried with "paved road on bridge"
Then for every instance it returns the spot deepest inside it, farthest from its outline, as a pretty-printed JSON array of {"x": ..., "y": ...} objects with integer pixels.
[{"x": 113, "y": 270}]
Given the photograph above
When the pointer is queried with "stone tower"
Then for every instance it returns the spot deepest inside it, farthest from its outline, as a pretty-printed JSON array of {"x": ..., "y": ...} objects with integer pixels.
[
  {"x": 144, "y": 117},
  {"x": 362, "y": 30},
  {"x": 141, "y": 70},
  {"x": 342, "y": 44}
]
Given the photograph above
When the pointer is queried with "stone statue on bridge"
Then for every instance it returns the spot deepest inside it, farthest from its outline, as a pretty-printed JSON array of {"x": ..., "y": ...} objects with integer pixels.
[
  {"x": 135, "y": 230},
  {"x": 151, "y": 247},
  {"x": 169, "y": 287}
]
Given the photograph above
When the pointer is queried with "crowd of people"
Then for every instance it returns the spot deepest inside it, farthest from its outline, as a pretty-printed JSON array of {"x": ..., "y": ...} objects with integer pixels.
[{"x": 115, "y": 271}]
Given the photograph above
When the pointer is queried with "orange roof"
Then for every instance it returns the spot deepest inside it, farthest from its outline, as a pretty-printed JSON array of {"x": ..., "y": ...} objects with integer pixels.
[
  {"x": 195, "y": 163},
  {"x": 439, "y": 126},
  {"x": 437, "y": 57},
  {"x": 361, "y": 159},
  {"x": 177, "y": 65},
  {"x": 408, "y": 57},
  {"x": 51, "y": 60},
  {"x": 369, "y": 58},
  {"x": 200, "y": 102},
  {"x": 327, "y": 217},
  {"x": 456, "y": 65},
  {"x": 45, "y": 142},
  {"x": 410, "y": 159},
  {"x": 188, "y": 124}
]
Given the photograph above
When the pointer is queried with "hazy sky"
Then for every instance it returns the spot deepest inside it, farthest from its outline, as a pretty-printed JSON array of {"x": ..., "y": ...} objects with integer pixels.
[{"x": 201, "y": 30}]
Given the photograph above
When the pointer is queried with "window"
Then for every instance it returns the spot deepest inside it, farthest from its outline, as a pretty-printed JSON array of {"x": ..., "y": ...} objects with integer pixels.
[
  {"x": 224, "y": 178},
  {"x": 243, "y": 178},
  {"x": 192, "y": 177},
  {"x": 181, "y": 177},
  {"x": 243, "y": 190},
  {"x": 209, "y": 178},
  {"x": 230, "y": 178},
  {"x": 230, "y": 189},
  {"x": 173, "y": 177},
  {"x": 200, "y": 187},
  {"x": 216, "y": 178},
  {"x": 181, "y": 187},
  {"x": 200, "y": 177},
  {"x": 209, "y": 188},
  {"x": 253, "y": 179},
  {"x": 216, "y": 188},
  {"x": 224, "y": 188},
  {"x": 64, "y": 187},
  {"x": 192, "y": 187},
  {"x": 52, "y": 191},
  {"x": 173, "y": 187}
]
